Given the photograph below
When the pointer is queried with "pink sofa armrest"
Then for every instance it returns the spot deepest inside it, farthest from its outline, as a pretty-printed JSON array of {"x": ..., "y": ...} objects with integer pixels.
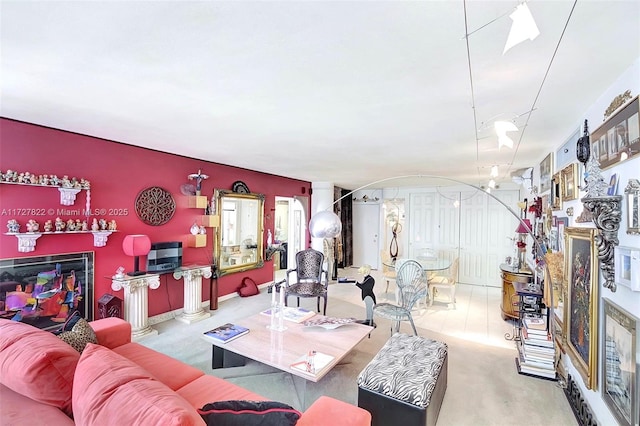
[
  {"x": 112, "y": 332},
  {"x": 329, "y": 411}
]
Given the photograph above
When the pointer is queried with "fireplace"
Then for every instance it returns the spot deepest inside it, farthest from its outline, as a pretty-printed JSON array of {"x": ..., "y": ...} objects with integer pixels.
[{"x": 43, "y": 291}]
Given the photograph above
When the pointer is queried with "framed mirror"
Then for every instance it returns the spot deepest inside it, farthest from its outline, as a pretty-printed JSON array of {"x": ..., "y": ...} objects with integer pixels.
[
  {"x": 632, "y": 194},
  {"x": 239, "y": 238}
]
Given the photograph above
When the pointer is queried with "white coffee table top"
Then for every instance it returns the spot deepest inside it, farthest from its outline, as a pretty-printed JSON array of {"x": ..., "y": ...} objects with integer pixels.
[{"x": 280, "y": 349}]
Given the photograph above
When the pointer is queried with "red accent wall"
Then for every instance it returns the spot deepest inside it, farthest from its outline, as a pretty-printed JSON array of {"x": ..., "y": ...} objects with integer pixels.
[{"x": 118, "y": 172}]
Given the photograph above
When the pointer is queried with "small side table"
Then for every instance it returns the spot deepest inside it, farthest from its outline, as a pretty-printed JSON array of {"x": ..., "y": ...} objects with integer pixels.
[
  {"x": 193, "y": 311},
  {"x": 136, "y": 302}
]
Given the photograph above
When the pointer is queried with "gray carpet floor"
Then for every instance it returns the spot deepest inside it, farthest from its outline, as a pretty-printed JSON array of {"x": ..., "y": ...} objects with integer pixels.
[{"x": 483, "y": 385}]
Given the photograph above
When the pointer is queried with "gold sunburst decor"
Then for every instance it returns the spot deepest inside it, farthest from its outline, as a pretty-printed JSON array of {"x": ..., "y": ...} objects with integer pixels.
[{"x": 155, "y": 206}]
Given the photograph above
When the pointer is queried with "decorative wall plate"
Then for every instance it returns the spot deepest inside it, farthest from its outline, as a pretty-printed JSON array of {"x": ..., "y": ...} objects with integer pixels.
[
  {"x": 155, "y": 206},
  {"x": 239, "y": 187}
]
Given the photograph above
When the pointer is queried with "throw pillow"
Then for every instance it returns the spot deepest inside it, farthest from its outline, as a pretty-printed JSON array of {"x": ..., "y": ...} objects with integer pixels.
[
  {"x": 80, "y": 335},
  {"x": 109, "y": 389},
  {"x": 37, "y": 364},
  {"x": 248, "y": 288},
  {"x": 249, "y": 413}
]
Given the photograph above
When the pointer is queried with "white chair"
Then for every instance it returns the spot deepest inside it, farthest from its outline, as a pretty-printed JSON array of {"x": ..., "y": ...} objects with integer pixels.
[{"x": 445, "y": 282}]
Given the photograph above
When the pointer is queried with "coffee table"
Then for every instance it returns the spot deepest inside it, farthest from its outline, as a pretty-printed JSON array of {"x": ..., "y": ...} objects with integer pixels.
[{"x": 280, "y": 349}]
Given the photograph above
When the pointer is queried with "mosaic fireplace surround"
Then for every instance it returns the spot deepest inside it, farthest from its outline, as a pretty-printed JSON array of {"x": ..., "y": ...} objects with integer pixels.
[{"x": 43, "y": 291}]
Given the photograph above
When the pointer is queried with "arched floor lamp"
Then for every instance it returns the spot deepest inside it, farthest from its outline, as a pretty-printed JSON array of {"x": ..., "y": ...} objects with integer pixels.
[{"x": 327, "y": 224}]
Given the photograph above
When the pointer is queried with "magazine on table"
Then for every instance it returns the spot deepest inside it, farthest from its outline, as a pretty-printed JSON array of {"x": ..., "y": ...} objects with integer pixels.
[
  {"x": 227, "y": 332},
  {"x": 312, "y": 362},
  {"x": 329, "y": 323},
  {"x": 292, "y": 314}
]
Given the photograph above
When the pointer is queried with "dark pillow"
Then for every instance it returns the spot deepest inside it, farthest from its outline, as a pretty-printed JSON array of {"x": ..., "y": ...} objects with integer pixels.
[
  {"x": 249, "y": 413},
  {"x": 80, "y": 335},
  {"x": 248, "y": 288}
]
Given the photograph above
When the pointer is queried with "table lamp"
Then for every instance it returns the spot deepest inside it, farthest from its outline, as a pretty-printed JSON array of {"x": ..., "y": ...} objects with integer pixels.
[
  {"x": 136, "y": 246},
  {"x": 524, "y": 228}
]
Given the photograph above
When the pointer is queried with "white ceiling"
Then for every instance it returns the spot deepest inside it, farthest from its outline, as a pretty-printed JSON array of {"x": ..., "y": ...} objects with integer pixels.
[{"x": 335, "y": 91}]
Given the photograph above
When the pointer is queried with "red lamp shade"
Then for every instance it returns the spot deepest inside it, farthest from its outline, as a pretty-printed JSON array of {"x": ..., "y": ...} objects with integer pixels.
[
  {"x": 524, "y": 227},
  {"x": 136, "y": 245}
]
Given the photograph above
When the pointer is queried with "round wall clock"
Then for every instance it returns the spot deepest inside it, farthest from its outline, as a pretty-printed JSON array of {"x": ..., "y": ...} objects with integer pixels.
[
  {"x": 155, "y": 206},
  {"x": 239, "y": 187}
]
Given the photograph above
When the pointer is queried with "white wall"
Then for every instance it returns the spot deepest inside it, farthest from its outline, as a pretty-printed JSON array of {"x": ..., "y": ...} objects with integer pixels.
[{"x": 623, "y": 297}]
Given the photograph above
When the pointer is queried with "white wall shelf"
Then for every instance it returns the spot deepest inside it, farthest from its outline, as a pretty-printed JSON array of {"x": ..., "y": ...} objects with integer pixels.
[{"x": 27, "y": 240}]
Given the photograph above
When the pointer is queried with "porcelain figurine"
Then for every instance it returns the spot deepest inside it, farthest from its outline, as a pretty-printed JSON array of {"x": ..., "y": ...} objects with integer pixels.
[
  {"x": 85, "y": 225},
  {"x": 112, "y": 225},
  {"x": 65, "y": 182},
  {"x": 203, "y": 230},
  {"x": 32, "y": 226},
  {"x": 71, "y": 225},
  {"x": 48, "y": 226},
  {"x": 103, "y": 224},
  {"x": 194, "y": 229},
  {"x": 21, "y": 178},
  {"x": 94, "y": 225},
  {"x": 85, "y": 183},
  {"x": 79, "y": 225},
  {"x": 13, "y": 226},
  {"x": 54, "y": 180},
  {"x": 59, "y": 225},
  {"x": 119, "y": 273}
]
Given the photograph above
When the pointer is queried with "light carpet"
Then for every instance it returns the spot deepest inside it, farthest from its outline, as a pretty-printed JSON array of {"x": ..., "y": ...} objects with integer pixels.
[{"x": 483, "y": 385}]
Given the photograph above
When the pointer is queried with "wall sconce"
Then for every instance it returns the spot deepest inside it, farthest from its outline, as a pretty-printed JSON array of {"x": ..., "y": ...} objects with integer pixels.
[{"x": 136, "y": 246}]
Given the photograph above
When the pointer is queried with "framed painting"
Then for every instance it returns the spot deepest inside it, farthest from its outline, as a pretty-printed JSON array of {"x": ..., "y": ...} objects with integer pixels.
[
  {"x": 620, "y": 364},
  {"x": 569, "y": 188},
  {"x": 546, "y": 170},
  {"x": 618, "y": 138},
  {"x": 581, "y": 304},
  {"x": 627, "y": 267},
  {"x": 554, "y": 200}
]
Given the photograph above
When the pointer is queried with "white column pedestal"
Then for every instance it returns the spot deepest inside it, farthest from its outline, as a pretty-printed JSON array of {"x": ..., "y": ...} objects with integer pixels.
[
  {"x": 193, "y": 311},
  {"x": 136, "y": 302}
]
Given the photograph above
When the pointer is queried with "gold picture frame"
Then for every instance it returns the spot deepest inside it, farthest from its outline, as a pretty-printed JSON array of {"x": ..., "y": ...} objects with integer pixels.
[
  {"x": 555, "y": 200},
  {"x": 569, "y": 182},
  {"x": 581, "y": 303}
]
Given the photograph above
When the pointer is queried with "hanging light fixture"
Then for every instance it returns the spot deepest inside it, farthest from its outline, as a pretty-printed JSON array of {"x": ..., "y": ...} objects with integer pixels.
[
  {"x": 502, "y": 127},
  {"x": 523, "y": 27},
  {"x": 492, "y": 184},
  {"x": 494, "y": 171}
]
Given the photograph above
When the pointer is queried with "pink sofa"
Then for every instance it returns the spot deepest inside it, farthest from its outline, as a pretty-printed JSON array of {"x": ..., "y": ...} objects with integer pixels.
[{"x": 43, "y": 380}]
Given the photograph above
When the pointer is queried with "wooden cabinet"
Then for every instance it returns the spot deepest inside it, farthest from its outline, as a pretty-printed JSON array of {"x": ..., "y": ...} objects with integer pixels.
[{"x": 509, "y": 304}]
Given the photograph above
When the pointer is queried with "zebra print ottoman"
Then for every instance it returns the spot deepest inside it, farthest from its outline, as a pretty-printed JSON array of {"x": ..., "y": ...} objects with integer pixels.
[{"x": 405, "y": 382}]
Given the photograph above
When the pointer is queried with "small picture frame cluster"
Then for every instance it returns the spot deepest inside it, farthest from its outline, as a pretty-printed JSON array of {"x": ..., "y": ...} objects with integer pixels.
[{"x": 613, "y": 185}]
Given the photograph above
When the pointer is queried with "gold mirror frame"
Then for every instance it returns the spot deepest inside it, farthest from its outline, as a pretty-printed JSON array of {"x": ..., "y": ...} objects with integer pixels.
[
  {"x": 243, "y": 250},
  {"x": 632, "y": 192}
]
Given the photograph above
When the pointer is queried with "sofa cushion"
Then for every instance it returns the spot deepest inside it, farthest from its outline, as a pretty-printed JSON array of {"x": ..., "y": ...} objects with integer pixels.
[
  {"x": 111, "y": 390},
  {"x": 36, "y": 364},
  {"x": 16, "y": 409},
  {"x": 167, "y": 370},
  {"x": 207, "y": 388},
  {"x": 249, "y": 413},
  {"x": 80, "y": 334}
]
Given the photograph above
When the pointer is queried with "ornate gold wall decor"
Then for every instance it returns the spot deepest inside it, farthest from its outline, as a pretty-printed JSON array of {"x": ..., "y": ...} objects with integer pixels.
[{"x": 616, "y": 103}]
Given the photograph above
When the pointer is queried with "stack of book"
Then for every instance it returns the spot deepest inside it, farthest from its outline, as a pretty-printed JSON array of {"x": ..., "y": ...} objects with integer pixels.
[{"x": 536, "y": 348}]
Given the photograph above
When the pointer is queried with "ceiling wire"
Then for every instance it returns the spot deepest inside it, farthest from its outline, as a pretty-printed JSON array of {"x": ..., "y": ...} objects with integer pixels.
[
  {"x": 473, "y": 99},
  {"x": 533, "y": 106}
]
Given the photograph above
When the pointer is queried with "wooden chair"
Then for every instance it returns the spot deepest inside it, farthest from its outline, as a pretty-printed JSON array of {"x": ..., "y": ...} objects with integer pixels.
[
  {"x": 445, "y": 282},
  {"x": 309, "y": 280}
]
